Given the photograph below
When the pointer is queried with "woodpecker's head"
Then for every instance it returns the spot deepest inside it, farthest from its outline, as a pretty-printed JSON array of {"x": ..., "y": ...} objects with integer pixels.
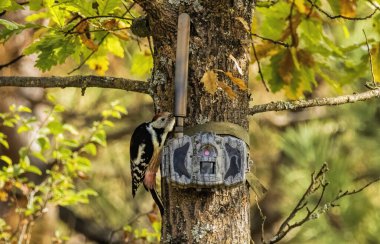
[{"x": 164, "y": 120}]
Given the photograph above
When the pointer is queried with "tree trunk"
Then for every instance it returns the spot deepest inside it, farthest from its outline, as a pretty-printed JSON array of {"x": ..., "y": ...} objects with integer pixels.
[{"x": 216, "y": 38}]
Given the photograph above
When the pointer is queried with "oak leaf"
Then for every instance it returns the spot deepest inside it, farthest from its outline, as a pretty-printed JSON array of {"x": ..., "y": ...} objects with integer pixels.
[
  {"x": 210, "y": 81},
  {"x": 237, "y": 81}
]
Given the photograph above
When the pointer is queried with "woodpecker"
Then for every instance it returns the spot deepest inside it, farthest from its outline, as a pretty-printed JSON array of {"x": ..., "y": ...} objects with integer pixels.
[{"x": 145, "y": 149}]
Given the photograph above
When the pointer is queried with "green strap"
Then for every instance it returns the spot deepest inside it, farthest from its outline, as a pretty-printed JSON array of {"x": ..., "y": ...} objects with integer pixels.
[{"x": 219, "y": 128}]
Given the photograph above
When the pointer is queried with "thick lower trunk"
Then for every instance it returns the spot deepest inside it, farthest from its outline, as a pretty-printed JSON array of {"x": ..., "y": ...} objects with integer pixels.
[{"x": 217, "y": 37}]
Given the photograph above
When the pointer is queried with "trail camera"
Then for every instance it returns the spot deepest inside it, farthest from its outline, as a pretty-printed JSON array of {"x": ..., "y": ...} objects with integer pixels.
[{"x": 205, "y": 160}]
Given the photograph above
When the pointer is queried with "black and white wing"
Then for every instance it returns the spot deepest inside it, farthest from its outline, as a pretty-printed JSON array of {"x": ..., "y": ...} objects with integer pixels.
[{"x": 141, "y": 152}]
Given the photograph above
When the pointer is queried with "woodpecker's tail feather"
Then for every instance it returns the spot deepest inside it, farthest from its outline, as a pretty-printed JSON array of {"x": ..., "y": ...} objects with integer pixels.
[{"x": 157, "y": 200}]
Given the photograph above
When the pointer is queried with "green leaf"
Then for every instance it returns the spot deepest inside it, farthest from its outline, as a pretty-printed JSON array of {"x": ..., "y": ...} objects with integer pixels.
[
  {"x": 23, "y": 128},
  {"x": 33, "y": 169},
  {"x": 55, "y": 127},
  {"x": 23, "y": 152},
  {"x": 107, "y": 6},
  {"x": 84, "y": 7},
  {"x": 9, "y": 5},
  {"x": 108, "y": 123},
  {"x": 116, "y": 114},
  {"x": 99, "y": 137},
  {"x": 275, "y": 19},
  {"x": 52, "y": 49},
  {"x": 44, "y": 143},
  {"x": 59, "y": 108},
  {"x": 35, "y": 5},
  {"x": 36, "y": 16},
  {"x": 83, "y": 163},
  {"x": 4, "y": 4},
  {"x": 56, "y": 12},
  {"x": 40, "y": 156},
  {"x": 70, "y": 128},
  {"x": 70, "y": 143},
  {"x": 3, "y": 140},
  {"x": 89, "y": 192},
  {"x": 120, "y": 109},
  {"x": 6, "y": 159},
  {"x": 51, "y": 98},
  {"x": 22, "y": 108},
  {"x": 90, "y": 148},
  {"x": 12, "y": 28}
]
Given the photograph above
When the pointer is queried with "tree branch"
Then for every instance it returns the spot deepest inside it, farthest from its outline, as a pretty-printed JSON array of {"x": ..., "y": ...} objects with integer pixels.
[
  {"x": 76, "y": 81},
  {"x": 326, "y": 101}
]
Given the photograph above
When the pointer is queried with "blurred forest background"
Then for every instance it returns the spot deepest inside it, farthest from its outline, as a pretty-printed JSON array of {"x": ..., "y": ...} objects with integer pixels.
[{"x": 286, "y": 146}]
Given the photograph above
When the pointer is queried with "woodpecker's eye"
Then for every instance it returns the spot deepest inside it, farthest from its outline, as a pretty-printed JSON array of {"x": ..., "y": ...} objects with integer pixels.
[{"x": 162, "y": 119}]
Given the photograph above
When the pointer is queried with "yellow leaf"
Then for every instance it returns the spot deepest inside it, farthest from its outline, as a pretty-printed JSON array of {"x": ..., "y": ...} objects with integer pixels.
[
  {"x": 300, "y": 6},
  {"x": 348, "y": 8},
  {"x": 3, "y": 196},
  {"x": 237, "y": 81},
  {"x": 99, "y": 64},
  {"x": 375, "y": 53},
  {"x": 228, "y": 90},
  {"x": 345, "y": 31},
  {"x": 114, "y": 46},
  {"x": 244, "y": 23},
  {"x": 209, "y": 80}
]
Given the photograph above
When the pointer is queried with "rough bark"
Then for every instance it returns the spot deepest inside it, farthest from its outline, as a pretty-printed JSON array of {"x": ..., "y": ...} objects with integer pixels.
[{"x": 222, "y": 215}]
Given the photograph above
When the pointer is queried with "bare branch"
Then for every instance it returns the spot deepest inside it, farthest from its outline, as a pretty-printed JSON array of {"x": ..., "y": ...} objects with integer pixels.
[
  {"x": 326, "y": 101},
  {"x": 342, "y": 194},
  {"x": 76, "y": 81},
  {"x": 317, "y": 183}
]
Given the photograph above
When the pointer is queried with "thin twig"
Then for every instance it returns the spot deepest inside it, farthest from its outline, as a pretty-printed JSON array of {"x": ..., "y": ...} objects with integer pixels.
[
  {"x": 263, "y": 218},
  {"x": 90, "y": 55},
  {"x": 259, "y": 67},
  {"x": 342, "y": 194},
  {"x": 317, "y": 182},
  {"x": 271, "y": 40},
  {"x": 97, "y": 17},
  {"x": 370, "y": 60},
  {"x": 302, "y": 202},
  {"x": 339, "y": 16},
  {"x": 136, "y": 217},
  {"x": 326, "y": 101},
  {"x": 99, "y": 30},
  {"x": 100, "y": 43}
]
